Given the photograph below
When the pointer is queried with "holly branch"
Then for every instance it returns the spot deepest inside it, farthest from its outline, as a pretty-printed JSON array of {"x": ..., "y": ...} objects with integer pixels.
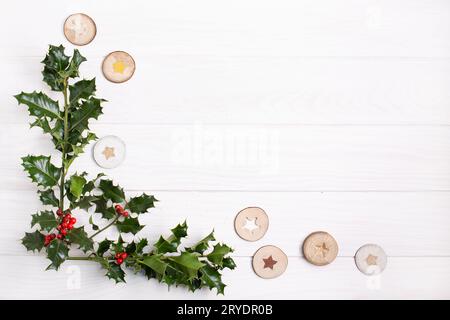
[{"x": 55, "y": 228}]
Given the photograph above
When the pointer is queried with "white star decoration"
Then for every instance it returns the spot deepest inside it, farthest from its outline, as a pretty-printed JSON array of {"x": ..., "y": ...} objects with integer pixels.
[{"x": 250, "y": 224}]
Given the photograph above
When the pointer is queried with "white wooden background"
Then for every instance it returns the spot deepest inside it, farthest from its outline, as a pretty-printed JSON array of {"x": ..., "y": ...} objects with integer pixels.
[{"x": 330, "y": 115}]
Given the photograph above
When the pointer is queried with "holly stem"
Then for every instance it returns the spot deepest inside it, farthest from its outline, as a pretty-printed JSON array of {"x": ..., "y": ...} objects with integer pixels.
[
  {"x": 104, "y": 228},
  {"x": 63, "y": 157}
]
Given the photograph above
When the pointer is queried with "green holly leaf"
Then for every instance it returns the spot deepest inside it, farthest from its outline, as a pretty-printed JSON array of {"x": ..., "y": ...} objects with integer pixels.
[
  {"x": 203, "y": 244},
  {"x": 171, "y": 244},
  {"x": 112, "y": 192},
  {"x": 48, "y": 197},
  {"x": 228, "y": 263},
  {"x": 101, "y": 206},
  {"x": 57, "y": 253},
  {"x": 82, "y": 89},
  {"x": 141, "y": 204},
  {"x": 129, "y": 225},
  {"x": 218, "y": 253},
  {"x": 80, "y": 237},
  {"x": 46, "y": 219},
  {"x": 85, "y": 202},
  {"x": 39, "y": 105},
  {"x": 115, "y": 272},
  {"x": 103, "y": 247},
  {"x": 189, "y": 263},
  {"x": 155, "y": 263},
  {"x": 212, "y": 278},
  {"x": 89, "y": 109},
  {"x": 76, "y": 185},
  {"x": 175, "y": 274},
  {"x": 33, "y": 241},
  {"x": 55, "y": 63},
  {"x": 41, "y": 170},
  {"x": 74, "y": 65},
  {"x": 141, "y": 245}
]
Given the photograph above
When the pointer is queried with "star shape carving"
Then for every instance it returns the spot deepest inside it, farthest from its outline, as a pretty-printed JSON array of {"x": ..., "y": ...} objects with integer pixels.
[
  {"x": 322, "y": 249},
  {"x": 119, "y": 66},
  {"x": 372, "y": 260},
  {"x": 250, "y": 225},
  {"x": 269, "y": 262},
  {"x": 108, "y": 153}
]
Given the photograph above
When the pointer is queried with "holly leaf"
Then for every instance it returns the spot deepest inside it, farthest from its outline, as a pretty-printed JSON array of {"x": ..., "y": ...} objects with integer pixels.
[
  {"x": 129, "y": 225},
  {"x": 155, "y": 263},
  {"x": 80, "y": 237},
  {"x": 48, "y": 197},
  {"x": 112, "y": 192},
  {"x": 103, "y": 247},
  {"x": 115, "y": 272},
  {"x": 82, "y": 89},
  {"x": 75, "y": 62},
  {"x": 46, "y": 219},
  {"x": 39, "y": 105},
  {"x": 171, "y": 244},
  {"x": 203, "y": 244},
  {"x": 101, "y": 206},
  {"x": 41, "y": 170},
  {"x": 55, "y": 63},
  {"x": 141, "y": 245},
  {"x": 212, "y": 278},
  {"x": 141, "y": 204},
  {"x": 189, "y": 263},
  {"x": 76, "y": 185},
  {"x": 57, "y": 253},
  {"x": 218, "y": 253},
  {"x": 228, "y": 263},
  {"x": 33, "y": 241},
  {"x": 85, "y": 202},
  {"x": 89, "y": 109}
]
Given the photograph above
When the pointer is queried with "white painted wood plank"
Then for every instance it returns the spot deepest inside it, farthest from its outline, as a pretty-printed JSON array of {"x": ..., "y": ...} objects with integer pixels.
[
  {"x": 404, "y": 224},
  {"x": 23, "y": 277},
  {"x": 253, "y": 28},
  {"x": 257, "y": 158},
  {"x": 277, "y": 90}
]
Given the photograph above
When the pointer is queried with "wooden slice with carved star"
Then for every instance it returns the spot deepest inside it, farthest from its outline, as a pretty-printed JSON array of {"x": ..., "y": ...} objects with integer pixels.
[
  {"x": 251, "y": 223},
  {"x": 269, "y": 262},
  {"x": 320, "y": 248},
  {"x": 79, "y": 29},
  {"x": 371, "y": 259},
  {"x": 109, "y": 152},
  {"x": 118, "y": 66}
]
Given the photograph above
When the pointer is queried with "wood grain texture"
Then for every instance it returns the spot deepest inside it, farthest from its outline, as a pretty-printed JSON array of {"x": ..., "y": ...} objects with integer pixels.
[{"x": 329, "y": 115}]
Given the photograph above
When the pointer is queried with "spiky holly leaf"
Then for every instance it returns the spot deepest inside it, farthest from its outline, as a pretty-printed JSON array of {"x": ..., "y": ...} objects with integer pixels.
[
  {"x": 171, "y": 244},
  {"x": 85, "y": 202},
  {"x": 89, "y": 109},
  {"x": 103, "y": 247},
  {"x": 141, "y": 245},
  {"x": 228, "y": 263},
  {"x": 155, "y": 263},
  {"x": 39, "y": 105},
  {"x": 55, "y": 62},
  {"x": 74, "y": 65},
  {"x": 57, "y": 253},
  {"x": 175, "y": 274},
  {"x": 129, "y": 225},
  {"x": 48, "y": 197},
  {"x": 112, "y": 192},
  {"x": 212, "y": 278},
  {"x": 33, "y": 241},
  {"x": 82, "y": 89},
  {"x": 101, "y": 206},
  {"x": 46, "y": 219},
  {"x": 77, "y": 183},
  {"x": 218, "y": 253},
  {"x": 141, "y": 204},
  {"x": 41, "y": 170},
  {"x": 203, "y": 244},
  {"x": 115, "y": 272},
  {"x": 80, "y": 237},
  {"x": 189, "y": 263}
]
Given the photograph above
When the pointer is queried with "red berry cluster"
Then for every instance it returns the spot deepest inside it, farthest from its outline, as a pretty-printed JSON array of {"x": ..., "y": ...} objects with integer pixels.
[
  {"x": 48, "y": 238},
  {"x": 120, "y": 210},
  {"x": 66, "y": 224},
  {"x": 120, "y": 257}
]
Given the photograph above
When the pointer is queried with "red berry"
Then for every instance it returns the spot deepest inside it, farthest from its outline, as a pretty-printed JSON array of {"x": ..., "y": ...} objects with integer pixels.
[
  {"x": 117, "y": 256},
  {"x": 124, "y": 255},
  {"x": 73, "y": 220},
  {"x": 70, "y": 227},
  {"x": 64, "y": 232},
  {"x": 59, "y": 227},
  {"x": 59, "y": 212},
  {"x": 125, "y": 214},
  {"x": 119, "y": 261},
  {"x": 52, "y": 236},
  {"x": 60, "y": 236}
]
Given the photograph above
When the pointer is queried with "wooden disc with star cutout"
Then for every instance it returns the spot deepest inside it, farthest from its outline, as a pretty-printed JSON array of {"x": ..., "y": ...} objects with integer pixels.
[
  {"x": 371, "y": 259},
  {"x": 251, "y": 223},
  {"x": 320, "y": 248},
  {"x": 269, "y": 262},
  {"x": 79, "y": 29},
  {"x": 118, "y": 66},
  {"x": 109, "y": 152}
]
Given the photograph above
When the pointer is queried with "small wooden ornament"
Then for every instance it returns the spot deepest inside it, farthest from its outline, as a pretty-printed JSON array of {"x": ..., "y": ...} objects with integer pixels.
[
  {"x": 320, "y": 248},
  {"x": 269, "y": 262},
  {"x": 109, "y": 152},
  {"x": 118, "y": 66},
  {"x": 79, "y": 29},
  {"x": 251, "y": 223},
  {"x": 371, "y": 259}
]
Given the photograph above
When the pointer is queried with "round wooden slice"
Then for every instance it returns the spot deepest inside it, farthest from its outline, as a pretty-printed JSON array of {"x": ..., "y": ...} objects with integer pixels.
[
  {"x": 118, "y": 66},
  {"x": 320, "y": 248},
  {"x": 251, "y": 223},
  {"x": 269, "y": 262},
  {"x": 79, "y": 29},
  {"x": 371, "y": 259},
  {"x": 109, "y": 152}
]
